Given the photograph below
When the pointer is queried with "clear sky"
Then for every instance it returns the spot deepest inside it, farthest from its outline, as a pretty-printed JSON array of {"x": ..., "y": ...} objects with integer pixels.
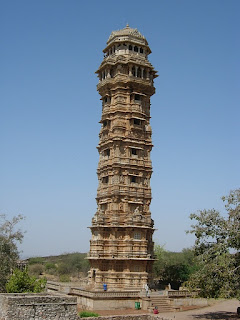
[{"x": 50, "y": 109}]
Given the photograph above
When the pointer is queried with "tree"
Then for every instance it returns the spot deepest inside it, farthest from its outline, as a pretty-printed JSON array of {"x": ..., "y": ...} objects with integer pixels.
[
  {"x": 217, "y": 247},
  {"x": 21, "y": 282},
  {"x": 173, "y": 267},
  {"x": 9, "y": 238}
]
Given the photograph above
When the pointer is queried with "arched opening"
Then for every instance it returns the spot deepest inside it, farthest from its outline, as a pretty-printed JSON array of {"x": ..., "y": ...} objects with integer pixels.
[
  {"x": 133, "y": 71},
  {"x": 136, "y": 49},
  {"x": 141, "y": 50},
  {"x": 130, "y": 47},
  {"x": 139, "y": 73}
]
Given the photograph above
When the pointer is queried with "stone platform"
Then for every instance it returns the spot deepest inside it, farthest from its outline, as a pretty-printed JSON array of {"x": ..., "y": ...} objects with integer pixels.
[{"x": 101, "y": 300}]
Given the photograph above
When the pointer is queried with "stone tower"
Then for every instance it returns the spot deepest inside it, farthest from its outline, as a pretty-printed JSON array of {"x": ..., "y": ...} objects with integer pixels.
[{"x": 121, "y": 248}]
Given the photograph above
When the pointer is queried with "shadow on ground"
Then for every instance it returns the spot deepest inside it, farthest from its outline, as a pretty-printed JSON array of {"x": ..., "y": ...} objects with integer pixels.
[{"x": 219, "y": 315}]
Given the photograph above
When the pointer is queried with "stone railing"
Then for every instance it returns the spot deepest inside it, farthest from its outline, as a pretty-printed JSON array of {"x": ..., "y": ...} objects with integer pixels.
[
  {"x": 104, "y": 294},
  {"x": 181, "y": 293},
  {"x": 64, "y": 287},
  {"x": 73, "y": 290}
]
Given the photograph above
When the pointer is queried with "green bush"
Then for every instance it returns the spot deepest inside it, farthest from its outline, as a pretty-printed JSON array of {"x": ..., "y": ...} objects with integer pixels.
[
  {"x": 65, "y": 268},
  {"x": 21, "y": 282},
  {"x": 64, "y": 278},
  {"x": 36, "y": 269},
  {"x": 87, "y": 314},
  {"x": 36, "y": 260},
  {"x": 50, "y": 268},
  {"x": 50, "y": 265}
]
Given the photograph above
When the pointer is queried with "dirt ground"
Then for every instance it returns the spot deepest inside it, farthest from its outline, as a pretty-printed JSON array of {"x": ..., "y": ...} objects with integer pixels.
[{"x": 222, "y": 310}]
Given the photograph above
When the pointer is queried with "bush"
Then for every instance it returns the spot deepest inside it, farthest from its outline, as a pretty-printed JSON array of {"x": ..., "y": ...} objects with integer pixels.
[
  {"x": 50, "y": 268},
  {"x": 64, "y": 278},
  {"x": 36, "y": 269},
  {"x": 36, "y": 260},
  {"x": 65, "y": 268},
  {"x": 87, "y": 314},
  {"x": 21, "y": 282},
  {"x": 50, "y": 265}
]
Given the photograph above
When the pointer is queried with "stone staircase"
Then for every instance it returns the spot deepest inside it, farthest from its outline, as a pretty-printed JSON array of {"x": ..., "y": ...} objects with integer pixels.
[{"x": 161, "y": 302}]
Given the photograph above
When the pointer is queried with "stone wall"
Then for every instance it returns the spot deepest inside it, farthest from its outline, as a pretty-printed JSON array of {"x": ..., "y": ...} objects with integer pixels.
[
  {"x": 133, "y": 317},
  {"x": 199, "y": 302},
  {"x": 37, "y": 306}
]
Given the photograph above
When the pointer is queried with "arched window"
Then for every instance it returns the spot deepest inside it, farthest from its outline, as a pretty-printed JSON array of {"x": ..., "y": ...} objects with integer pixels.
[
  {"x": 136, "y": 49},
  {"x": 141, "y": 50},
  {"x": 130, "y": 47}
]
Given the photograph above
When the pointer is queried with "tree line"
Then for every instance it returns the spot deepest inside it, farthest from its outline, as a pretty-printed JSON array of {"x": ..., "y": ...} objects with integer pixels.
[{"x": 212, "y": 266}]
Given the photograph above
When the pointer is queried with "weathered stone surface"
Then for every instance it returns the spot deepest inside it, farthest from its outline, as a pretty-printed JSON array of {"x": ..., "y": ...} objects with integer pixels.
[
  {"x": 121, "y": 248},
  {"x": 132, "y": 317},
  {"x": 37, "y": 307}
]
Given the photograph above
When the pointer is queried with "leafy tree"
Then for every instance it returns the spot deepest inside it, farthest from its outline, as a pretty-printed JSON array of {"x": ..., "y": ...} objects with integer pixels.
[
  {"x": 9, "y": 238},
  {"x": 21, "y": 282},
  {"x": 173, "y": 267},
  {"x": 217, "y": 247}
]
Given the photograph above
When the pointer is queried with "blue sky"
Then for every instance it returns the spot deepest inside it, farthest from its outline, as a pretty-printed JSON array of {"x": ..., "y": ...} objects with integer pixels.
[{"x": 50, "y": 109}]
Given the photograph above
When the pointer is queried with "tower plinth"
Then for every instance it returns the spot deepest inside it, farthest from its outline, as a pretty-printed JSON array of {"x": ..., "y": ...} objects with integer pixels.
[{"x": 121, "y": 247}]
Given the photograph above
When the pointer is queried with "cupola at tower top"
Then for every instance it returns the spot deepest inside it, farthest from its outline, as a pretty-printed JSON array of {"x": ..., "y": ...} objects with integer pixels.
[{"x": 128, "y": 36}]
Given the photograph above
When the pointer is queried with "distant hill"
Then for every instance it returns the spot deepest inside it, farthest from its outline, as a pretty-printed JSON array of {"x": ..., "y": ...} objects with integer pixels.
[{"x": 64, "y": 267}]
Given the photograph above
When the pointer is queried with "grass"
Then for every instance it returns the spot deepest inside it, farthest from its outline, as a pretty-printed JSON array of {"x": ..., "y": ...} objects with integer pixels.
[{"x": 86, "y": 314}]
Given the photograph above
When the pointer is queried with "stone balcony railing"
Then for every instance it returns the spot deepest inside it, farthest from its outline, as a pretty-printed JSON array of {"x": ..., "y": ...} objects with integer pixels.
[
  {"x": 119, "y": 255},
  {"x": 124, "y": 190},
  {"x": 121, "y": 77},
  {"x": 132, "y": 161}
]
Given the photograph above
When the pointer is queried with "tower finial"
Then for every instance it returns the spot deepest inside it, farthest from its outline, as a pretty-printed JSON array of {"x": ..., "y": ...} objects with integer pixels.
[{"x": 127, "y": 26}]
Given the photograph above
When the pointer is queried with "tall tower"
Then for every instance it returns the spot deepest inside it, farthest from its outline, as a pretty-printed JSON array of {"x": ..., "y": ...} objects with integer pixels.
[{"x": 121, "y": 248}]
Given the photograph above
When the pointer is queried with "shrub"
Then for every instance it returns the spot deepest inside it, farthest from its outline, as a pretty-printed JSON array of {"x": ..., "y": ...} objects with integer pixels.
[
  {"x": 36, "y": 260},
  {"x": 64, "y": 278},
  {"x": 64, "y": 268},
  {"x": 36, "y": 269},
  {"x": 50, "y": 268},
  {"x": 87, "y": 314},
  {"x": 21, "y": 282},
  {"x": 50, "y": 265}
]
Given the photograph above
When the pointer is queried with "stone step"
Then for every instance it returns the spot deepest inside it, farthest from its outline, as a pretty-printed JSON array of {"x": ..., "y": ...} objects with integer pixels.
[{"x": 162, "y": 303}]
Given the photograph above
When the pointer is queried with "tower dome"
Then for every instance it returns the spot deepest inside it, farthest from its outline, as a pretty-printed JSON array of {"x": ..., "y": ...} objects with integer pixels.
[
  {"x": 127, "y": 35},
  {"x": 126, "y": 32}
]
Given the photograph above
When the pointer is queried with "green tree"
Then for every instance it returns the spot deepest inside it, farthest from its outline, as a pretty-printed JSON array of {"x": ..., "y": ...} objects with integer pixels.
[
  {"x": 21, "y": 282},
  {"x": 173, "y": 267},
  {"x": 217, "y": 247},
  {"x": 9, "y": 239}
]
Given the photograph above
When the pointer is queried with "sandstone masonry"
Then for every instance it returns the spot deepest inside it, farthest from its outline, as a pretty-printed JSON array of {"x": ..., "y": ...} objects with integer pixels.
[
  {"x": 37, "y": 307},
  {"x": 121, "y": 248}
]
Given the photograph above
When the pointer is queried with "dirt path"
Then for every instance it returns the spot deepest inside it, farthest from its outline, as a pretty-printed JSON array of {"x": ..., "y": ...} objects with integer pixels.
[{"x": 224, "y": 310}]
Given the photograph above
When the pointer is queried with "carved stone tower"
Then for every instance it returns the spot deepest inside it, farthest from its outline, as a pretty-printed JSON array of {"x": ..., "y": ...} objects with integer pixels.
[{"x": 121, "y": 248}]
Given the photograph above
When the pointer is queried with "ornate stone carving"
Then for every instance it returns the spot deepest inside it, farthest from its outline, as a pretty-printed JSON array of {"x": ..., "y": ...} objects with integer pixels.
[{"x": 124, "y": 168}]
